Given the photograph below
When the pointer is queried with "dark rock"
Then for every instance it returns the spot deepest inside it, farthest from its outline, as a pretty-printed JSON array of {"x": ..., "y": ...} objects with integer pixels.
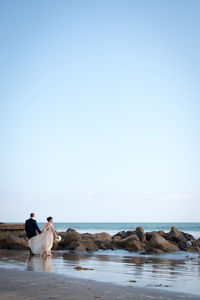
[
  {"x": 123, "y": 243},
  {"x": 183, "y": 245},
  {"x": 14, "y": 242},
  {"x": 101, "y": 237},
  {"x": 158, "y": 243},
  {"x": 116, "y": 239},
  {"x": 3, "y": 242},
  {"x": 105, "y": 245},
  {"x": 196, "y": 243},
  {"x": 69, "y": 237},
  {"x": 70, "y": 230},
  {"x": 187, "y": 236},
  {"x": 193, "y": 249},
  {"x": 141, "y": 234},
  {"x": 87, "y": 236},
  {"x": 122, "y": 234},
  {"x": 130, "y": 232},
  {"x": 175, "y": 235},
  {"x": 131, "y": 243},
  {"x": 84, "y": 245},
  {"x": 125, "y": 234},
  {"x": 103, "y": 240},
  {"x": 134, "y": 246},
  {"x": 150, "y": 234}
]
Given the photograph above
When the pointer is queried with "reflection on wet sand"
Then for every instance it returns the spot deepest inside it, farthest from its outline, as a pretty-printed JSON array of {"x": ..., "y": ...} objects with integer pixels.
[
  {"x": 39, "y": 263},
  {"x": 75, "y": 256},
  {"x": 174, "y": 271}
]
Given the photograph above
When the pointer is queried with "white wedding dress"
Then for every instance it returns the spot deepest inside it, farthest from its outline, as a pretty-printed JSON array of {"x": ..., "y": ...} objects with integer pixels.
[{"x": 42, "y": 242}]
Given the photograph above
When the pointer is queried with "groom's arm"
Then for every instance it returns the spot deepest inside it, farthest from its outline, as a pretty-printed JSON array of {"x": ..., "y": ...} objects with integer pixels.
[
  {"x": 37, "y": 228},
  {"x": 26, "y": 226}
]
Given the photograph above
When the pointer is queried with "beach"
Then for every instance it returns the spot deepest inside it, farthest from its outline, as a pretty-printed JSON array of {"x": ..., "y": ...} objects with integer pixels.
[
  {"x": 104, "y": 275},
  {"x": 104, "y": 263},
  {"x": 19, "y": 284}
]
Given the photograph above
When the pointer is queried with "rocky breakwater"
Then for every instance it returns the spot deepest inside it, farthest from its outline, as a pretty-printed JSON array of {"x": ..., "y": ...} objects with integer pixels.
[
  {"x": 12, "y": 236},
  {"x": 72, "y": 240},
  {"x": 134, "y": 240}
]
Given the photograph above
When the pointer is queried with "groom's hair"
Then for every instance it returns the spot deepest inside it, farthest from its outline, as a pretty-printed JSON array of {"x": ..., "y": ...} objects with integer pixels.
[{"x": 32, "y": 215}]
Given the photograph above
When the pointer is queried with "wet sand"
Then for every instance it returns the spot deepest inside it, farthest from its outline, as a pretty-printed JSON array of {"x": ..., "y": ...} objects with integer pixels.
[{"x": 19, "y": 284}]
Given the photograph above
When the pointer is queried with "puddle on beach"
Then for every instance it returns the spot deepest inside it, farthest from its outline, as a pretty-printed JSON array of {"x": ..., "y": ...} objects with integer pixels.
[{"x": 174, "y": 271}]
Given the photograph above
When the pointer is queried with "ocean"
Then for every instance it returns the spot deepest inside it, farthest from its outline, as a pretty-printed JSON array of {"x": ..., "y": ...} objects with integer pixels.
[
  {"x": 113, "y": 228},
  {"x": 179, "y": 272}
]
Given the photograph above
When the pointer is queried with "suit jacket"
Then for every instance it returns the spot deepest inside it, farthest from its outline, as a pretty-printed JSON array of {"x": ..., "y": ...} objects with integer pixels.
[{"x": 31, "y": 227}]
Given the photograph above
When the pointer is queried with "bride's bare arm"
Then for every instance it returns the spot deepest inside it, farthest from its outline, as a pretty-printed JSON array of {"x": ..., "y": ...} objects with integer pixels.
[{"x": 54, "y": 232}]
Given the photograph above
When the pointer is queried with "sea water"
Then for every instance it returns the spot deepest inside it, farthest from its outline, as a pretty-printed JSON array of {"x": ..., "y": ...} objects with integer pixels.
[
  {"x": 113, "y": 228},
  {"x": 178, "y": 271}
]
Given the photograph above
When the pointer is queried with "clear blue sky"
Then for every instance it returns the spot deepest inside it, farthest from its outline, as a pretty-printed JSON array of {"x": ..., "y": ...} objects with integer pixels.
[{"x": 99, "y": 110}]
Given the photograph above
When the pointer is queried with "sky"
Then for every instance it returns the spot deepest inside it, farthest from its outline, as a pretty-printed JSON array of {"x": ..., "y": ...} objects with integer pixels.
[{"x": 99, "y": 110}]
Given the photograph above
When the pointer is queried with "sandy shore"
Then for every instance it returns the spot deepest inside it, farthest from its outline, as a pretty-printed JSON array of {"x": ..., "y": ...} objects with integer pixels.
[{"x": 18, "y": 284}]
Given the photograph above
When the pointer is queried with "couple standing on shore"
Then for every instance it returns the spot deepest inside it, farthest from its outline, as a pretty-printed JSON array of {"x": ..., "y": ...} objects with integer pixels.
[{"x": 43, "y": 242}]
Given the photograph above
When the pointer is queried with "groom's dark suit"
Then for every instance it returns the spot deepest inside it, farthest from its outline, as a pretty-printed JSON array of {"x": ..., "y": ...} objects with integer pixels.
[{"x": 31, "y": 227}]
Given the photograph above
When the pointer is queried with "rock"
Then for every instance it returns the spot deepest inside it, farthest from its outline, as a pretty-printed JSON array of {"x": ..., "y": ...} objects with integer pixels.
[
  {"x": 101, "y": 237},
  {"x": 84, "y": 245},
  {"x": 14, "y": 242},
  {"x": 175, "y": 235},
  {"x": 183, "y": 245},
  {"x": 196, "y": 243},
  {"x": 70, "y": 230},
  {"x": 105, "y": 245},
  {"x": 12, "y": 229},
  {"x": 187, "y": 236},
  {"x": 141, "y": 234},
  {"x": 87, "y": 236},
  {"x": 69, "y": 237},
  {"x": 124, "y": 234},
  {"x": 150, "y": 234},
  {"x": 123, "y": 243},
  {"x": 155, "y": 250},
  {"x": 121, "y": 234},
  {"x": 3, "y": 242},
  {"x": 116, "y": 239},
  {"x": 134, "y": 246},
  {"x": 62, "y": 233},
  {"x": 130, "y": 232},
  {"x": 103, "y": 240},
  {"x": 56, "y": 245},
  {"x": 193, "y": 249},
  {"x": 131, "y": 243},
  {"x": 157, "y": 242}
]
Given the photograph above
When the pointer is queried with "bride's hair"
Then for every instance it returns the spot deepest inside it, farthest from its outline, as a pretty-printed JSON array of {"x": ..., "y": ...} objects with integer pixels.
[{"x": 49, "y": 219}]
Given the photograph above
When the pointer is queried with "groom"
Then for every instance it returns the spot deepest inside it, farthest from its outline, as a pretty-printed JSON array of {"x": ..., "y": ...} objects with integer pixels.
[{"x": 31, "y": 227}]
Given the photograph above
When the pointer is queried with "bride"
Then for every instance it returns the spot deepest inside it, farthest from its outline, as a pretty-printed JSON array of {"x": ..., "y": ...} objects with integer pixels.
[{"x": 42, "y": 243}]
